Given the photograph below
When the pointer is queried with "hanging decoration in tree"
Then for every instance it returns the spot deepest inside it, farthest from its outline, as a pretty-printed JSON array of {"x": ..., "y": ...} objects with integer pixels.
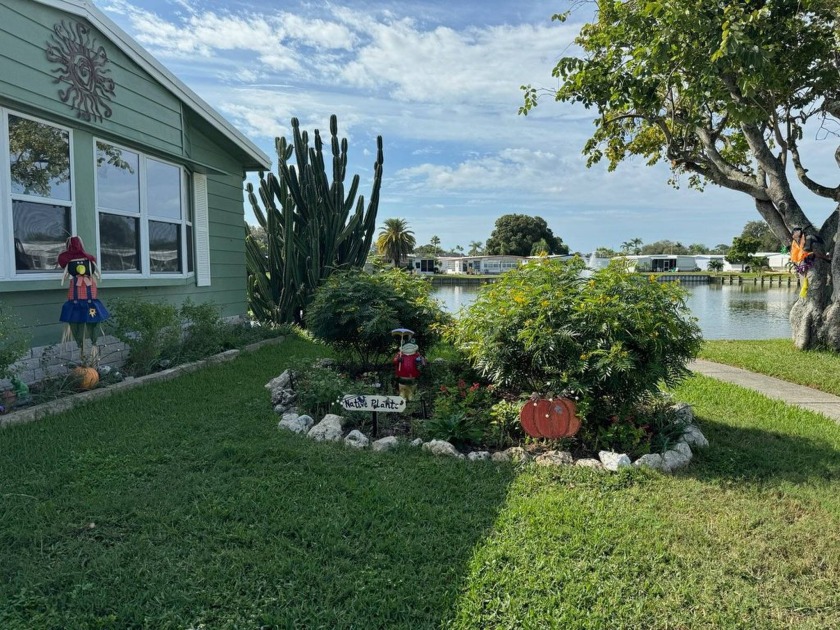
[{"x": 82, "y": 312}]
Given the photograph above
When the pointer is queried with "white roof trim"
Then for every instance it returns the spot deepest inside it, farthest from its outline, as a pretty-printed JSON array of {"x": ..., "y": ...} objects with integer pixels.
[{"x": 87, "y": 10}]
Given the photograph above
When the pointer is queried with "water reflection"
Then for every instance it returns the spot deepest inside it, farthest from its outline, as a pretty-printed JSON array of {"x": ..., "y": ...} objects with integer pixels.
[{"x": 723, "y": 311}]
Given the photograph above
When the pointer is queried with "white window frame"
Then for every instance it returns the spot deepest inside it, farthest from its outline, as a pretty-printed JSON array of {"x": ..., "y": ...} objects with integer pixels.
[
  {"x": 7, "y": 259},
  {"x": 145, "y": 216}
]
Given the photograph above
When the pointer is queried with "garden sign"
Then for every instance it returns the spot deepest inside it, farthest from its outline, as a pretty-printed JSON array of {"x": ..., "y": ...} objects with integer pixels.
[
  {"x": 374, "y": 404},
  {"x": 363, "y": 402}
]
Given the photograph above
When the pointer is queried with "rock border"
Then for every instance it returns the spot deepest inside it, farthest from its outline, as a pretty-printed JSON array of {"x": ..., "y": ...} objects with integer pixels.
[
  {"x": 36, "y": 412},
  {"x": 330, "y": 429}
]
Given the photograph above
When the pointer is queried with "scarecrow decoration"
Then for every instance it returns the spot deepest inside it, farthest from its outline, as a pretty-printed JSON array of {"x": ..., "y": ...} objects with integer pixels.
[
  {"x": 82, "y": 312},
  {"x": 407, "y": 363}
]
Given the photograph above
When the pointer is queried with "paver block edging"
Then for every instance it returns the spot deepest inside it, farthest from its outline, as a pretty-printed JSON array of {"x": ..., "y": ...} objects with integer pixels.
[{"x": 30, "y": 414}]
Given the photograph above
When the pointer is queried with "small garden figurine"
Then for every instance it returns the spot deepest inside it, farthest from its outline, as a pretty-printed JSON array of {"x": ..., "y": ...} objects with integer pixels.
[
  {"x": 21, "y": 390},
  {"x": 407, "y": 364},
  {"x": 82, "y": 312}
]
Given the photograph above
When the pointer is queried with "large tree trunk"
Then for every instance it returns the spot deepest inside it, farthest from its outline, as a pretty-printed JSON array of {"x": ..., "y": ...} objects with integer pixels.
[{"x": 815, "y": 318}]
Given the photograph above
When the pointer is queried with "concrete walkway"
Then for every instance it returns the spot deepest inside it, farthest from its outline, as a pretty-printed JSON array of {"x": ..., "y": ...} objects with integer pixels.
[{"x": 792, "y": 394}]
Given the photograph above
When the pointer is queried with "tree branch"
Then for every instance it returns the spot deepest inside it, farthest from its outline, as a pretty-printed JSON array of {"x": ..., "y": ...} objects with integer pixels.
[
  {"x": 810, "y": 184},
  {"x": 726, "y": 169}
]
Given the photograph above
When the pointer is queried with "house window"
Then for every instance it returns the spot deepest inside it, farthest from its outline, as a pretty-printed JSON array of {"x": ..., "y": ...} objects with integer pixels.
[
  {"x": 143, "y": 214},
  {"x": 39, "y": 195}
]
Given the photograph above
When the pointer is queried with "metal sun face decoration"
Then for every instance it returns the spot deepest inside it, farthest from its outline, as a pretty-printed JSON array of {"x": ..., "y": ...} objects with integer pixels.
[{"x": 82, "y": 65}]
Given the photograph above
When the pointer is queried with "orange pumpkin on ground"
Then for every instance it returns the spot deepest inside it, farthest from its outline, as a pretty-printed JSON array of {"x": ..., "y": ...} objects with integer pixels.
[{"x": 86, "y": 377}]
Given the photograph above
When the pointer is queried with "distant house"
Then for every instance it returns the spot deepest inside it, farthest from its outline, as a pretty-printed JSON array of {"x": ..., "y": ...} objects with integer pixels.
[
  {"x": 101, "y": 141},
  {"x": 423, "y": 265},
  {"x": 657, "y": 263},
  {"x": 453, "y": 264},
  {"x": 492, "y": 264}
]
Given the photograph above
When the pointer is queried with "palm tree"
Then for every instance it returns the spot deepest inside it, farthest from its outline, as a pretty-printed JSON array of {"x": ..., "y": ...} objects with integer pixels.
[
  {"x": 476, "y": 247},
  {"x": 395, "y": 240},
  {"x": 435, "y": 241},
  {"x": 634, "y": 246}
]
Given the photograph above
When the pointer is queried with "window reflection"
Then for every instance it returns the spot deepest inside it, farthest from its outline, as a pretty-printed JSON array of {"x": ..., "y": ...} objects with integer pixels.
[
  {"x": 164, "y": 246},
  {"x": 119, "y": 243},
  {"x": 163, "y": 183},
  {"x": 39, "y": 159},
  {"x": 40, "y": 231},
  {"x": 117, "y": 178}
]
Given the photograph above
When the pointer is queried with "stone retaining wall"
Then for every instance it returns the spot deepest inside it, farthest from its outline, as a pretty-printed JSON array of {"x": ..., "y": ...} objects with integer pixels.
[{"x": 44, "y": 362}]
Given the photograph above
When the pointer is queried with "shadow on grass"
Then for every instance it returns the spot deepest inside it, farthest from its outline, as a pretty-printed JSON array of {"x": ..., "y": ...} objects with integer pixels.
[
  {"x": 181, "y": 504},
  {"x": 759, "y": 454},
  {"x": 754, "y": 437}
]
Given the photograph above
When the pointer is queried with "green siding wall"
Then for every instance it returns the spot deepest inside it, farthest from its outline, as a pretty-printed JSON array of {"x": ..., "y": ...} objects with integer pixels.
[
  {"x": 143, "y": 111},
  {"x": 145, "y": 117}
]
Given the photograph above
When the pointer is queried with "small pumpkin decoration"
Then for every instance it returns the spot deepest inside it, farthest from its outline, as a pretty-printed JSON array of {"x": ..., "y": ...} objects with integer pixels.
[
  {"x": 553, "y": 419},
  {"x": 85, "y": 377}
]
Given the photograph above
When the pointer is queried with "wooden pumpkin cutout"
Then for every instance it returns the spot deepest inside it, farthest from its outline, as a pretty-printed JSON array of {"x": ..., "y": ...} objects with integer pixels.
[{"x": 551, "y": 419}]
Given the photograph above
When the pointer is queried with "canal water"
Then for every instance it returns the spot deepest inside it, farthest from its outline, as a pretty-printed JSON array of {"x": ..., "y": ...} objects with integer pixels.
[{"x": 723, "y": 311}]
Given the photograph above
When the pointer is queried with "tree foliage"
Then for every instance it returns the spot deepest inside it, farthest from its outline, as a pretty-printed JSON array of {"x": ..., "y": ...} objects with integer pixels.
[
  {"x": 664, "y": 247},
  {"x": 610, "y": 339},
  {"x": 355, "y": 312},
  {"x": 721, "y": 91},
  {"x": 760, "y": 231},
  {"x": 742, "y": 251},
  {"x": 516, "y": 235},
  {"x": 395, "y": 241},
  {"x": 633, "y": 246},
  {"x": 39, "y": 156},
  {"x": 13, "y": 342},
  {"x": 476, "y": 248}
]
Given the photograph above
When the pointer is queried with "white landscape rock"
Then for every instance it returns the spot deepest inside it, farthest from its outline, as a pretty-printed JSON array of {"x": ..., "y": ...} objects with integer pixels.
[
  {"x": 683, "y": 449},
  {"x": 385, "y": 444},
  {"x": 517, "y": 454},
  {"x": 684, "y": 412},
  {"x": 500, "y": 456},
  {"x": 673, "y": 460},
  {"x": 478, "y": 455},
  {"x": 694, "y": 437},
  {"x": 442, "y": 447},
  {"x": 284, "y": 381},
  {"x": 555, "y": 458},
  {"x": 330, "y": 429},
  {"x": 279, "y": 385},
  {"x": 417, "y": 442},
  {"x": 356, "y": 439},
  {"x": 651, "y": 460},
  {"x": 295, "y": 423},
  {"x": 588, "y": 462},
  {"x": 614, "y": 461}
]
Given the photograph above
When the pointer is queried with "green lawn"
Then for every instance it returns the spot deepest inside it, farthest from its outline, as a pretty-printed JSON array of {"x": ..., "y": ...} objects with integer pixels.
[
  {"x": 180, "y": 504},
  {"x": 779, "y": 358}
]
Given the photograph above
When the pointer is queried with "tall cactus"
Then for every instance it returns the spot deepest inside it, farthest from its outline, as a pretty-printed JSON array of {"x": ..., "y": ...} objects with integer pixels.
[{"x": 308, "y": 222}]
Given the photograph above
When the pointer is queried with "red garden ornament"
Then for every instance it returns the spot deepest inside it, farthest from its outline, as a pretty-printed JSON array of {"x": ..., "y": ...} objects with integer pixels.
[{"x": 553, "y": 419}]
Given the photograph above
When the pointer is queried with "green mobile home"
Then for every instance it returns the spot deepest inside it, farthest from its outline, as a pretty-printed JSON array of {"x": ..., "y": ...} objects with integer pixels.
[{"x": 100, "y": 140}]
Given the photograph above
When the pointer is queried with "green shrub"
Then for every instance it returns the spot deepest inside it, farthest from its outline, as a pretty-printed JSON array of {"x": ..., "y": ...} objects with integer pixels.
[
  {"x": 13, "y": 342},
  {"x": 609, "y": 339},
  {"x": 151, "y": 330},
  {"x": 461, "y": 413},
  {"x": 457, "y": 428},
  {"x": 505, "y": 426},
  {"x": 355, "y": 312},
  {"x": 320, "y": 389},
  {"x": 203, "y": 332}
]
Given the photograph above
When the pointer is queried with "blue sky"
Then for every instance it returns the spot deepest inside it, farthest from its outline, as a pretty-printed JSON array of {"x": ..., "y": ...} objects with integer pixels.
[{"x": 440, "y": 82}]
